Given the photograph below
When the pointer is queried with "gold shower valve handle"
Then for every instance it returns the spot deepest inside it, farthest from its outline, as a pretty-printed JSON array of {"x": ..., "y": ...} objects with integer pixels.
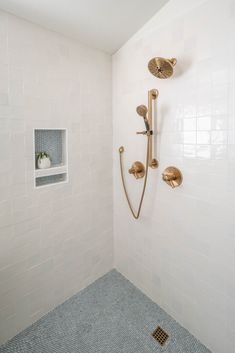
[
  {"x": 172, "y": 176},
  {"x": 169, "y": 176},
  {"x": 137, "y": 169}
]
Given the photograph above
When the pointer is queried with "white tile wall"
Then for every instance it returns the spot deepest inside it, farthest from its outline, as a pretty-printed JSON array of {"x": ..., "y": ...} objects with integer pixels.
[
  {"x": 56, "y": 240},
  {"x": 181, "y": 251}
]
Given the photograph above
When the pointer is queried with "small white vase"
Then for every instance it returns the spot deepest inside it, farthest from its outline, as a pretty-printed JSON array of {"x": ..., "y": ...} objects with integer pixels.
[{"x": 44, "y": 163}]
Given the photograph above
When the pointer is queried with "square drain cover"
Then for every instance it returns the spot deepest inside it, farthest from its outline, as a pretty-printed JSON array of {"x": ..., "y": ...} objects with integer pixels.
[{"x": 160, "y": 335}]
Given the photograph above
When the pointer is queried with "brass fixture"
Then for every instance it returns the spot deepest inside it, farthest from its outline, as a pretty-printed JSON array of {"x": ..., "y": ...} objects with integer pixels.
[
  {"x": 142, "y": 110},
  {"x": 162, "y": 68},
  {"x": 135, "y": 215},
  {"x": 152, "y": 94},
  {"x": 172, "y": 176},
  {"x": 160, "y": 335},
  {"x": 138, "y": 169}
]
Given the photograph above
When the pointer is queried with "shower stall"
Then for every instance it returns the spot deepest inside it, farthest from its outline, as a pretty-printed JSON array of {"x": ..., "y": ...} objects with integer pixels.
[{"x": 117, "y": 154}]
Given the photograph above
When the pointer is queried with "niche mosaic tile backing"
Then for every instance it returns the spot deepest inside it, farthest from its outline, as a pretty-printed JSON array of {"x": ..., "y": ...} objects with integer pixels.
[{"x": 52, "y": 142}]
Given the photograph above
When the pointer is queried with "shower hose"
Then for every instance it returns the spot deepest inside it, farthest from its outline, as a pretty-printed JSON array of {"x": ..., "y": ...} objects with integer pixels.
[{"x": 121, "y": 150}]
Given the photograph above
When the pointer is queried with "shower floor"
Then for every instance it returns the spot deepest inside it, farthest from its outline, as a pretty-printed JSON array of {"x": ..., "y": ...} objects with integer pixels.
[{"x": 109, "y": 316}]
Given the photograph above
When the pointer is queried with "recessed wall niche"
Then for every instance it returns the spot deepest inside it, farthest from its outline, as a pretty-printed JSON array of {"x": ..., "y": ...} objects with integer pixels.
[{"x": 50, "y": 144}]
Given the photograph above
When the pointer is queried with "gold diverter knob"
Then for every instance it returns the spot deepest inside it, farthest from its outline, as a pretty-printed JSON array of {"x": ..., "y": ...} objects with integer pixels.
[
  {"x": 137, "y": 169},
  {"x": 172, "y": 176}
]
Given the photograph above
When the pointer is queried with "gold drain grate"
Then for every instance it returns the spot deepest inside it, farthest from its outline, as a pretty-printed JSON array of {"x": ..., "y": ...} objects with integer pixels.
[{"x": 160, "y": 335}]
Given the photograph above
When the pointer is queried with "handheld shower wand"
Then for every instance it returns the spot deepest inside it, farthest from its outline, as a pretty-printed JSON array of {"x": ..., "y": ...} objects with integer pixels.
[{"x": 142, "y": 110}]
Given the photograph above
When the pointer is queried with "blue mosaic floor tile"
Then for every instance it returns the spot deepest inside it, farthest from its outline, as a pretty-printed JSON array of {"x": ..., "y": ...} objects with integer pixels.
[{"x": 109, "y": 316}]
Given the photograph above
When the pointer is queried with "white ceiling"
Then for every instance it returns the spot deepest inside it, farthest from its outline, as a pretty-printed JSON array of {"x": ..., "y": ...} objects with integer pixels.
[{"x": 103, "y": 24}]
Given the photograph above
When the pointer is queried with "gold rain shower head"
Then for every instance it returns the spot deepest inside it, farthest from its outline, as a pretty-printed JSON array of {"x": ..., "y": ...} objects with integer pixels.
[{"x": 162, "y": 68}]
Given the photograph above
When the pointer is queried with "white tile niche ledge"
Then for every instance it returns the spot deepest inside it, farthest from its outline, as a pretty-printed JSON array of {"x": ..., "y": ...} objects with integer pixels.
[{"x": 50, "y": 171}]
